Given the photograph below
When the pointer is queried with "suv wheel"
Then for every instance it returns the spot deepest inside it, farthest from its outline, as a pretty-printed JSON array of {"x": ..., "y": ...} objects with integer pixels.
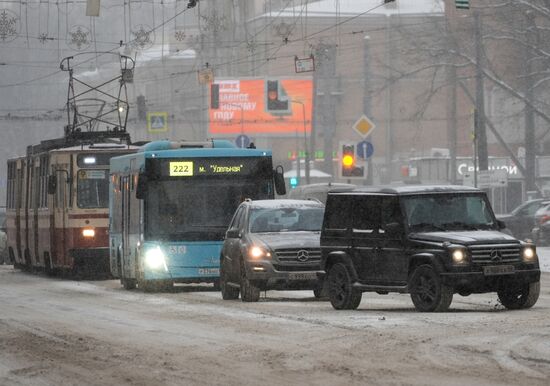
[
  {"x": 249, "y": 292},
  {"x": 228, "y": 292},
  {"x": 521, "y": 296},
  {"x": 341, "y": 294},
  {"x": 428, "y": 294}
]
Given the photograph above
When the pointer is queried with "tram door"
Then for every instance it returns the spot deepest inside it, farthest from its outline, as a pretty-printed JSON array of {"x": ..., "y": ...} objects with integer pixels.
[{"x": 125, "y": 226}]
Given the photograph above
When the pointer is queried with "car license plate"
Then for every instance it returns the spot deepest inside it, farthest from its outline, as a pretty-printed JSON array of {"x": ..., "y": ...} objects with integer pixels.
[
  {"x": 302, "y": 276},
  {"x": 498, "y": 270},
  {"x": 209, "y": 271}
]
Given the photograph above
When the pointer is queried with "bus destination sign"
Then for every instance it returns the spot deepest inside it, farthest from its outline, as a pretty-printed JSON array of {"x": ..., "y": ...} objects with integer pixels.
[{"x": 210, "y": 167}]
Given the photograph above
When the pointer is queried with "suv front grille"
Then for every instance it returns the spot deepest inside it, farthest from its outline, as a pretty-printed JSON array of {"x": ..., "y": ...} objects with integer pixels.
[
  {"x": 494, "y": 254},
  {"x": 294, "y": 256}
]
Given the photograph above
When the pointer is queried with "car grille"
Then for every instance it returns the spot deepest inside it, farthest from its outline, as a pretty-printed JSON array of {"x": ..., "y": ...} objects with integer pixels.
[
  {"x": 494, "y": 254},
  {"x": 308, "y": 258}
]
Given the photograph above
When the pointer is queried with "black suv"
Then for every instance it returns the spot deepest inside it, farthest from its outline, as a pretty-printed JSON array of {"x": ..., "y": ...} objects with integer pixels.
[
  {"x": 429, "y": 241},
  {"x": 272, "y": 244}
]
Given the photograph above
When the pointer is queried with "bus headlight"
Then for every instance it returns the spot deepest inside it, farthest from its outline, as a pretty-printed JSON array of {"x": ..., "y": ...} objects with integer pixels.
[
  {"x": 529, "y": 254},
  {"x": 154, "y": 258},
  {"x": 459, "y": 256},
  {"x": 88, "y": 233}
]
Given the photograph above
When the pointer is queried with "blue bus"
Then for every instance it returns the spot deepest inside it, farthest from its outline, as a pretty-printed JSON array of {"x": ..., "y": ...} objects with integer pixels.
[{"x": 170, "y": 204}]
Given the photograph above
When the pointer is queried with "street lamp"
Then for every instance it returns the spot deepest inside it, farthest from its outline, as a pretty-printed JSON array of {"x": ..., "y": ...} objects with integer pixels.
[{"x": 306, "y": 153}]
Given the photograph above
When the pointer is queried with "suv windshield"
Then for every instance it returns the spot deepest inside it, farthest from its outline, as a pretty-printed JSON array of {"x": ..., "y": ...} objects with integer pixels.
[
  {"x": 448, "y": 212},
  {"x": 286, "y": 220}
]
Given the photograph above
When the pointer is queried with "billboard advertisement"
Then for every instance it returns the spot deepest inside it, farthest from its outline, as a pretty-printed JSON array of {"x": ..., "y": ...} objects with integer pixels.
[{"x": 260, "y": 107}]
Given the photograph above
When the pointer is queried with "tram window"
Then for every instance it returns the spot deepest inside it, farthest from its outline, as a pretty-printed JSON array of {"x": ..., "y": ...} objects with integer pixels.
[{"x": 93, "y": 188}]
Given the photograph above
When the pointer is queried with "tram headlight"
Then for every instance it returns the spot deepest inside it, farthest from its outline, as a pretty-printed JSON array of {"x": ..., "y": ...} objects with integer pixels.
[
  {"x": 88, "y": 233},
  {"x": 154, "y": 258}
]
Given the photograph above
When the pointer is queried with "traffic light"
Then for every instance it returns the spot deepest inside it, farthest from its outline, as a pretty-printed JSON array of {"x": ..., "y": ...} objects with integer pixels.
[
  {"x": 351, "y": 167},
  {"x": 277, "y": 102},
  {"x": 141, "y": 108},
  {"x": 293, "y": 182}
]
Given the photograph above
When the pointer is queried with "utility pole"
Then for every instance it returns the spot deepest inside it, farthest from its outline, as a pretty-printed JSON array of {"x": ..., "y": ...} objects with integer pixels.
[
  {"x": 451, "y": 110},
  {"x": 367, "y": 99},
  {"x": 480, "y": 131},
  {"x": 530, "y": 146}
]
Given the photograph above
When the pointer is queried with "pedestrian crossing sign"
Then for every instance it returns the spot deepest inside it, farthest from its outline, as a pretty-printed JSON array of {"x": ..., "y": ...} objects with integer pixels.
[{"x": 157, "y": 122}]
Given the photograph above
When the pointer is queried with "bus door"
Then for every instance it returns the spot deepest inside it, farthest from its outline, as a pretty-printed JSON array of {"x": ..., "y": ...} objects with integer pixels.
[{"x": 125, "y": 226}]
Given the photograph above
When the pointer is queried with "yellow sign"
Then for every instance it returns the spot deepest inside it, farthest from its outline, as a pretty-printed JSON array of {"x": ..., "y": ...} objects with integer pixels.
[
  {"x": 181, "y": 169},
  {"x": 364, "y": 126},
  {"x": 157, "y": 122}
]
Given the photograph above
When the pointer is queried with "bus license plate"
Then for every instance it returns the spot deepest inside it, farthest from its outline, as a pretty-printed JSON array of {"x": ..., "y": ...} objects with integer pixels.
[
  {"x": 209, "y": 271},
  {"x": 302, "y": 276},
  {"x": 498, "y": 270}
]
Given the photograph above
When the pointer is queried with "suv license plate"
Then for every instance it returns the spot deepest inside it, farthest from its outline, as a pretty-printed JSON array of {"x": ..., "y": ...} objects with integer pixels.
[
  {"x": 302, "y": 276},
  {"x": 498, "y": 270}
]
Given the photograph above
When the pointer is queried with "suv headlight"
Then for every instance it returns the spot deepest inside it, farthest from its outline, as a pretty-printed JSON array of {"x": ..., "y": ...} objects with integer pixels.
[
  {"x": 256, "y": 252},
  {"x": 154, "y": 259},
  {"x": 529, "y": 254},
  {"x": 459, "y": 255}
]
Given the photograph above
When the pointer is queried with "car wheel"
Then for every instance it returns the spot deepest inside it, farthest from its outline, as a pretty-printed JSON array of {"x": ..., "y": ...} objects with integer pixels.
[
  {"x": 428, "y": 294},
  {"x": 249, "y": 292},
  {"x": 341, "y": 293},
  {"x": 519, "y": 296},
  {"x": 228, "y": 292}
]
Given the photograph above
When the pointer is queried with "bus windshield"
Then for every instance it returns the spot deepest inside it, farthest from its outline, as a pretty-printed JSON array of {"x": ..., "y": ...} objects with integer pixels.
[
  {"x": 181, "y": 210},
  {"x": 92, "y": 188}
]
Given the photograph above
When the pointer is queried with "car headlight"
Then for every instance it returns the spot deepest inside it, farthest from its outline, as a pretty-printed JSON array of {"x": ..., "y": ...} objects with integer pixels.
[
  {"x": 459, "y": 256},
  {"x": 256, "y": 252},
  {"x": 154, "y": 258},
  {"x": 529, "y": 254}
]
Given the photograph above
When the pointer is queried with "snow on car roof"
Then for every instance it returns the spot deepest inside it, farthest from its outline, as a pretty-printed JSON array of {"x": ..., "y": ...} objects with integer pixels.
[{"x": 285, "y": 203}]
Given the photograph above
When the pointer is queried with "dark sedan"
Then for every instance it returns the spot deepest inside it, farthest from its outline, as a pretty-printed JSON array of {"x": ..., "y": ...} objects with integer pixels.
[
  {"x": 272, "y": 244},
  {"x": 521, "y": 220}
]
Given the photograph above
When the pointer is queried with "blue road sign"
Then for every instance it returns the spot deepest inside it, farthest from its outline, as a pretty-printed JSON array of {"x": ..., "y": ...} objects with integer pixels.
[
  {"x": 242, "y": 141},
  {"x": 365, "y": 149}
]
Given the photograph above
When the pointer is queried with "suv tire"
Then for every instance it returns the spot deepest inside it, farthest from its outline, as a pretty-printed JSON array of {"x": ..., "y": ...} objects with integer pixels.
[
  {"x": 249, "y": 292},
  {"x": 519, "y": 297},
  {"x": 428, "y": 294},
  {"x": 341, "y": 293},
  {"x": 228, "y": 292}
]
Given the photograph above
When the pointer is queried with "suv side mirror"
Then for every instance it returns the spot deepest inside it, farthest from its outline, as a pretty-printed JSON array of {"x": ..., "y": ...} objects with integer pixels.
[
  {"x": 233, "y": 234},
  {"x": 393, "y": 228},
  {"x": 52, "y": 184},
  {"x": 141, "y": 187},
  {"x": 279, "y": 179},
  {"x": 501, "y": 224}
]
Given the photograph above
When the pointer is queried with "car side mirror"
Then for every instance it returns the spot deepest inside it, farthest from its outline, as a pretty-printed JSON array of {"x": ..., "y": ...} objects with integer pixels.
[
  {"x": 279, "y": 179},
  {"x": 233, "y": 234},
  {"x": 141, "y": 187},
  {"x": 52, "y": 184},
  {"x": 501, "y": 224},
  {"x": 393, "y": 228}
]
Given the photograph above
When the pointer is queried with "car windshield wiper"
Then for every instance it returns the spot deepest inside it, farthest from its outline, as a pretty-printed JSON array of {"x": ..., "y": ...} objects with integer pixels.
[{"x": 427, "y": 225}]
